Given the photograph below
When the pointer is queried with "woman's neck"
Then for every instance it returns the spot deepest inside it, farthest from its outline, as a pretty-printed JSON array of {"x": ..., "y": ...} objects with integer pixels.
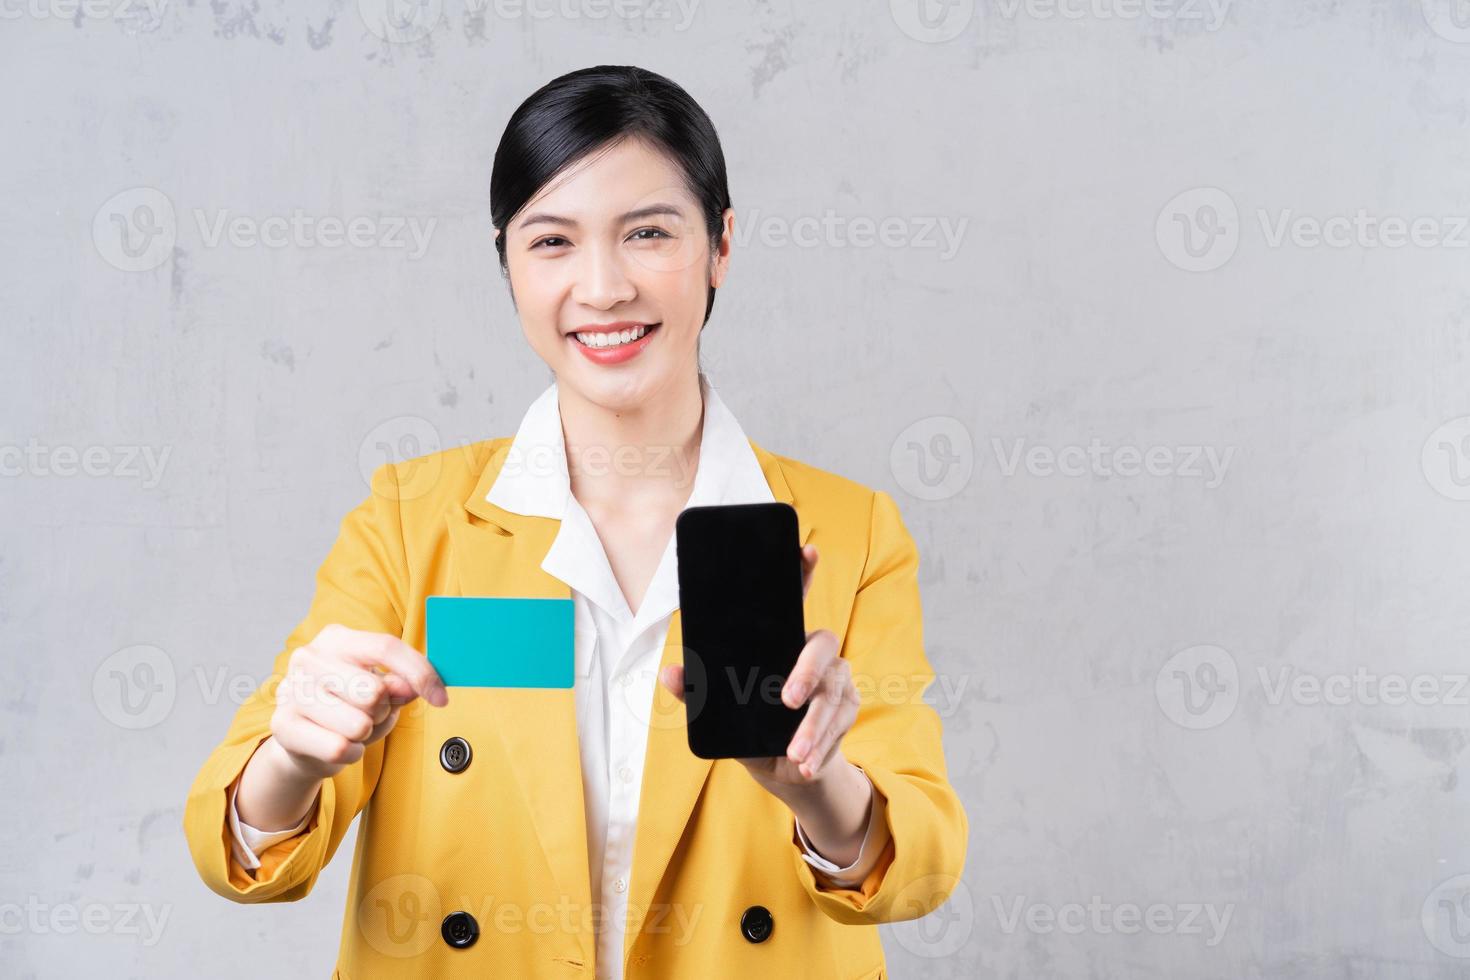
[{"x": 648, "y": 454}]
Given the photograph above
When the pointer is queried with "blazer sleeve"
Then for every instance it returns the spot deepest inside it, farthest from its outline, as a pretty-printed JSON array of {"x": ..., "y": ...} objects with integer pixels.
[
  {"x": 896, "y": 740},
  {"x": 362, "y": 584}
]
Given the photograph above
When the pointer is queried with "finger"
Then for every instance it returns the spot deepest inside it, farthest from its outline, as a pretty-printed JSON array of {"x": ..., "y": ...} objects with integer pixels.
[
  {"x": 392, "y": 654},
  {"x": 816, "y": 657},
  {"x": 335, "y": 715},
  {"x": 833, "y": 749},
  {"x": 396, "y": 689},
  {"x": 385, "y": 724},
  {"x": 379, "y": 712},
  {"x": 364, "y": 689},
  {"x": 314, "y": 672},
  {"x": 818, "y": 760},
  {"x": 808, "y": 565},
  {"x": 672, "y": 678},
  {"x": 304, "y": 738},
  {"x": 827, "y": 744},
  {"x": 819, "y": 716}
]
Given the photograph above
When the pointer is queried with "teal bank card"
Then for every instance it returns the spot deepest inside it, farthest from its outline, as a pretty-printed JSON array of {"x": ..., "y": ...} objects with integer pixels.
[{"x": 485, "y": 642}]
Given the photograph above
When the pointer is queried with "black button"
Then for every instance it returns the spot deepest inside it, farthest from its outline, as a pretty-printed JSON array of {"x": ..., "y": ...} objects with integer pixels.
[
  {"x": 454, "y": 754},
  {"x": 756, "y": 924},
  {"x": 460, "y": 930}
]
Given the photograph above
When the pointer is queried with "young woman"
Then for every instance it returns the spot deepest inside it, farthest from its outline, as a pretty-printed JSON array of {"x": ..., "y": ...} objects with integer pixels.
[{"x": 554, "y": 832}]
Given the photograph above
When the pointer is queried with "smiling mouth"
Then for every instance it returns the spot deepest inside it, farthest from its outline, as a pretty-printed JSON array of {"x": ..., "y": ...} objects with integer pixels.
[{"x": 610, "y": 340}]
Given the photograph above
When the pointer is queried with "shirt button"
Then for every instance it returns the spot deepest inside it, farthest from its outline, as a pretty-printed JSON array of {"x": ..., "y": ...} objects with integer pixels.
[
  {"x": 625, "y": 774},
  {"x": 620, "y": 885}
]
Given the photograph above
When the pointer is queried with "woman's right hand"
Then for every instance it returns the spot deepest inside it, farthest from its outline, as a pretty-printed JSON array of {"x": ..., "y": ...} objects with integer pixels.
[{"x": 341, "y": 693}]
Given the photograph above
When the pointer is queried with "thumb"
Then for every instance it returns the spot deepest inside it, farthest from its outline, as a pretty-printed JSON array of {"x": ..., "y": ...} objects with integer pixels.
[
  {"x": 808, "y": 565},
  {"x": 672, "y": 678}
]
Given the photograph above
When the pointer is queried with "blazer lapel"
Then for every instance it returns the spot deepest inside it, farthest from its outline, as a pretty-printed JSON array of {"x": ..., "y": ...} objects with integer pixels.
[
  {"x": 498, "y": 553},
  {"x": 776, "y": 477},
  {"x": 672, "y": 775},
  {"x": 672, "y": 779}
]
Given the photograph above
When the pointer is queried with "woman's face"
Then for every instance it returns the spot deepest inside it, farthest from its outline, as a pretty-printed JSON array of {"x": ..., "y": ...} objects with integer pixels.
[{"x": 613, "y": 247}]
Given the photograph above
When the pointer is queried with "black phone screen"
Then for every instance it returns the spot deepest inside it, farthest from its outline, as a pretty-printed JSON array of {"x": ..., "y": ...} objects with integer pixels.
[{"x": 740, "y": 604}]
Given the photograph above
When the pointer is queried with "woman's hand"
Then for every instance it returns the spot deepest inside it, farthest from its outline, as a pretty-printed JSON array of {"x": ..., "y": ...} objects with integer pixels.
[
  {"x": 820, "y": 677},
  {"x": 341, "y": 693},
  {"x": 830, "y": 796}
]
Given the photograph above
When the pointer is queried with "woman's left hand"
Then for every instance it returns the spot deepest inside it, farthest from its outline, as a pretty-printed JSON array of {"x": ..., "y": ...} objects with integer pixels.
[{"x": 820, "y": 677}]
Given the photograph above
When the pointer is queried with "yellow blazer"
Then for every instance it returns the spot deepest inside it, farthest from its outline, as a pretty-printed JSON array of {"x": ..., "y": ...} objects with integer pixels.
[{"x": 505, "y": 839}]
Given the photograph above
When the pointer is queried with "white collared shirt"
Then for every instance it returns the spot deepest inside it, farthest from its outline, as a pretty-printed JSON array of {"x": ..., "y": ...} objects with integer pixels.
[{"x": 617, "y": 652}]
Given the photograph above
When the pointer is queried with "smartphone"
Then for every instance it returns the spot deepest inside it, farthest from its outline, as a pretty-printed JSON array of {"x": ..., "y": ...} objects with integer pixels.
[{"x": 740, "y": 604}]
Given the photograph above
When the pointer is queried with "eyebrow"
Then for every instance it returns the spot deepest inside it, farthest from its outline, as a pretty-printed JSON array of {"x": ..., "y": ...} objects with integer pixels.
[{"x": 653, "y": 210}]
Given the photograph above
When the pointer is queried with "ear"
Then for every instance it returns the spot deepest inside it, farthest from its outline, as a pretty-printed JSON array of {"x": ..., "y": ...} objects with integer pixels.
[{"x": 720, "y": 260}]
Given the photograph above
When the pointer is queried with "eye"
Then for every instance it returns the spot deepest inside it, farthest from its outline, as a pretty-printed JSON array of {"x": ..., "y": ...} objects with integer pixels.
[
  {"x": 649, "y": 234},
  {"x": 550, "y": 241}
]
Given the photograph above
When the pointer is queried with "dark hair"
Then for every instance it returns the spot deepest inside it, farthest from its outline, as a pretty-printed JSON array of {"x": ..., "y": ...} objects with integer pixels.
[{"x": 584, "y": 111}]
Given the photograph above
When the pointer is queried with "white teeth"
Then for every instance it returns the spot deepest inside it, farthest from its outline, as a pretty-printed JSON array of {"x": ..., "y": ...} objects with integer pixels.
[{"x": 611, "y": 339}]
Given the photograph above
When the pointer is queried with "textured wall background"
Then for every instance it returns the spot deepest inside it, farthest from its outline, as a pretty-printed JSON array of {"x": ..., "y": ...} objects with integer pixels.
[{"x": 1152, "y": 314}]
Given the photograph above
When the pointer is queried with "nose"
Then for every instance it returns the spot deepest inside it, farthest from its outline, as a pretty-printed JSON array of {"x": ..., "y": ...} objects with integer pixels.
[{"x": 601, "y": 281}]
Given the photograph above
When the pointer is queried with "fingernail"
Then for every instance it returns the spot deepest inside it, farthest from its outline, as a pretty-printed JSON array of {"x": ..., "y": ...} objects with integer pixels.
[
  {"x": 798, "y": 749},
  {"x": 797, "y": 694}
]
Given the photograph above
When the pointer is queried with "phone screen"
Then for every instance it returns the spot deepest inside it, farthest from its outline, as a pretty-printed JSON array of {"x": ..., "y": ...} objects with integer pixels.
[{"x": 740, "y": 604}]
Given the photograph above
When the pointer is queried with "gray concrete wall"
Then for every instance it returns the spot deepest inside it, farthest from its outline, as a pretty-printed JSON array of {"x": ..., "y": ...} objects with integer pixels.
[{"x": 1152, "y": 315}]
